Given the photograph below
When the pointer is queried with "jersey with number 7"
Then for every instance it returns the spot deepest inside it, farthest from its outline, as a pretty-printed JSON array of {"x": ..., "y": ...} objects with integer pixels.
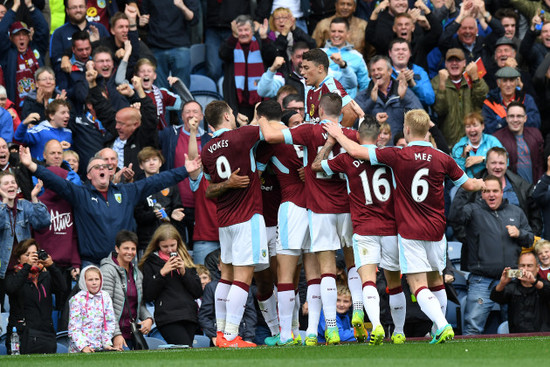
[
  {"x": 420, "y": 172},
  {"x": 223, "y": 154}
]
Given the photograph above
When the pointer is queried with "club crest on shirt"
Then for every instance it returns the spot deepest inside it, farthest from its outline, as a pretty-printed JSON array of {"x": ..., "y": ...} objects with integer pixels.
[
  {"x": 264, "y": 253},
  {"x": 118, "y": 198},
  {"x": 165, "y": 192}
]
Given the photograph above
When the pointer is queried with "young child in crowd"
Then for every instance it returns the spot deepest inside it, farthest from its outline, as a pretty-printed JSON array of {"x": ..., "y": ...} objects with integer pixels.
[
  {"x": 71, "y": 157},
  {"x": 91, "y": 315},
  {"x": 204, "y": 275},
  {"x": 542, "y": 249},
  {"x": 343, "y": 320},
  {"x": 385, "y": 135}
]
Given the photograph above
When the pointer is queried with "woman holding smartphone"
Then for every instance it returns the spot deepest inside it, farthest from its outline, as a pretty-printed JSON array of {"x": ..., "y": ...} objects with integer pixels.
[{"x": 170, "y": 280}]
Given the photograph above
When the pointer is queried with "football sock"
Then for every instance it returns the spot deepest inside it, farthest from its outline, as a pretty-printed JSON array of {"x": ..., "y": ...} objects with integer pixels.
[
  {"x": 398, "y": 308},
  {"x": 236, "y": 303},
  {"x": 371, "y": 299},
  {"x": 220, "y": 303},
  {"x": 328, "y": 298},
  {"x": 355, "y": 288},
  {"x": 313, "y": 305},
  {"x": 286, "y": 304},
  {"x": 430, "y": 306},
  {"x": 296, "y": 314},
  {"x": 268, "y": 306}
]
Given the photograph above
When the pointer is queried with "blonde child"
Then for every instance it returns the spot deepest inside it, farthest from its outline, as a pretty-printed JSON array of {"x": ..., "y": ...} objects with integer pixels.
[
  {"x": 385, "y": 135},
  {"x": 72, "y": 157},
  {"x": 91, "y": 315},
  {"x": 204, "y": 275},
  {"x": 343, "y": 320},
  {"x": 542, "y": 249}
]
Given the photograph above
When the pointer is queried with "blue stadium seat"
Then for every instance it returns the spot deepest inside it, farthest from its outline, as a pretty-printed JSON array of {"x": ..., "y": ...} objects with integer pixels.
[
  {"x": 3, "y": 350},
  {"x": 503, "y": 328},
  {"x": 61, "y": 349},
  {"x": 202, "y": 83},
  {"x": 62, "y": 337},
  {"x": 198, "y": 59},
  {"x": 201, "y": 341},
  {"x": 220, "y": 86},
  {"x": 454, "y": 249},
  {"x": 154, "y": 343}
]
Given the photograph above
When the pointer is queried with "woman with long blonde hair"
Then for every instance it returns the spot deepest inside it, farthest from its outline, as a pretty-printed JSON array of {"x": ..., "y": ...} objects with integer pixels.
[{"x": 170, "y": 280}]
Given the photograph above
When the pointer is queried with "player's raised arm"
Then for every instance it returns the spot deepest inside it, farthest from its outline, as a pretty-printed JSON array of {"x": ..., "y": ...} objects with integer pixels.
[
  {"x": 272, "y": 133},
  {"x": 473, "y": 184},
  {"x": 353, "y": 149},
  {"x": 323, "y": 154}
]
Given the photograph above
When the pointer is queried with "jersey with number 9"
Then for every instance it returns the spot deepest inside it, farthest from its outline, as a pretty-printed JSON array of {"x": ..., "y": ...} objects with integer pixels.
[
  {"x": 222, "y": 155},
  {"x": 420, "y": 172}
]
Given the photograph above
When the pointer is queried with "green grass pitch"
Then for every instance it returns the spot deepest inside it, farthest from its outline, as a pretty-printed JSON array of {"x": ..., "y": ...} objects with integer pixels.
[{"x": 519, "y": 351}]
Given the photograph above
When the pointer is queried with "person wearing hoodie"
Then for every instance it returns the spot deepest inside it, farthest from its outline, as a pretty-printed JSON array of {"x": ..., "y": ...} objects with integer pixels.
[
  {"x": 496, "y": 232},
  {"x": 170, "y": 280},
  {"x": 123, "y": 281},
  {"x": 91, "y": 316},
  {"x": 342, "y": 55}
]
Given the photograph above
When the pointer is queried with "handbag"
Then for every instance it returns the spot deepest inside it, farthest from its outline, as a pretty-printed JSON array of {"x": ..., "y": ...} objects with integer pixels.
[
  {"x": 37, "y": 342},
  {"x": 137, "y": 337}
]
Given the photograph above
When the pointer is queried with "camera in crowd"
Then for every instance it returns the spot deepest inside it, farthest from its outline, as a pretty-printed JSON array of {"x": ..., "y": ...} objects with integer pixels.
[
  {"x": 42, "y": 255},
  {"x": 173, "y": 254}
]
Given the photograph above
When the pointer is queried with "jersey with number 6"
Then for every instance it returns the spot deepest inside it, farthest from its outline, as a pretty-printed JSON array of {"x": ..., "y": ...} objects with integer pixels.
[
  {"x": 325, "y": 194},
  {"x": 370, "y": 194},
  {"x": 420, "y": 172},
  {"x": 223, "y": 154}
]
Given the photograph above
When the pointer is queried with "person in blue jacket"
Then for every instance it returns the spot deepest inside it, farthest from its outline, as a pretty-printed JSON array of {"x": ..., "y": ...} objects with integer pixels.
[
  {"x": 102, "y": 208},
  {"x": 343, "y": 320}
]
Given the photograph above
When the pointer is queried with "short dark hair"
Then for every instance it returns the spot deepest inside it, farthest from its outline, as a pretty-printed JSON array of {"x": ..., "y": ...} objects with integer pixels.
[
  {"x": 493, "y": 178},
  {"x": 331, "y": 104},
  {"x": 506, "y": 13},
  {"x": 398, "y": 136},
  {"x": 102, "y": 50},
  {"x": 80, "y": 36},
  {"x": 189, "y": 102},
  {"x": 299, "y": 45},
  {"x": 497, "y": 151},
  {"x": 516, "y": 104},
  {"x": 291, "y": 98},
  {"x": 54, "y": 105},
  {"x": 318, "y": 57},
  {"x": 270, "y": 109},
  {"x": 340, "y": 20},
  {"x": 369, "y": 128},
  {"x": 22, "y": 247},
  {"x": 116, "y": 17},
  {"x": 214, "y": 111},
  {"x": 377, "y": 58},
  {"x": 398, "y": 40},
  {"x": 125, "y": 236},
  {"x": 287, "y": 88}
]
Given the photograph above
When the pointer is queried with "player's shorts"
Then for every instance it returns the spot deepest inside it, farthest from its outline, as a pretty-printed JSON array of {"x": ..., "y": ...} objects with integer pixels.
[
  {"x": 417, "y": 256},
  {"x": 245, "y": 243},
  {"x": 271, "y": 233},
  {"x": 378, "y": 250},
  {"x": 293, "y": 235},
  {"x": 329, "y": 232}
]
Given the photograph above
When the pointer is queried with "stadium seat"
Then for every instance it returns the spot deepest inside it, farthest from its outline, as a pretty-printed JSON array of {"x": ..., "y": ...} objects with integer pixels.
[
  {"x": 220, "y": 86},
  {"x": 61, "y": 349},
  {"x": 3, "y": 350},
  {"x": 202, "y": 83},
  {"x": 198, "y": 59},
  {"x": 201, "y": 341},
  {"x": 454, "y": 249},
  {"x": 62, "y": 337},
  {"x": 503, "y": 328},
  {"x": 154, "y": 343}
]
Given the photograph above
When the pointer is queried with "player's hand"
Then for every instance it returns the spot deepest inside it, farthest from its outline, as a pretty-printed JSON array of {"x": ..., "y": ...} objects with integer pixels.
[
  {"x": 192, "y": 165},
  {"x": 357, "y": 109},
  {"x": 236, "y": 181},
  {"x": 513, "y": 231},
  {"x": 177, "y": 214},
  {"x": 333, "y": 129},
  {"x": 302, "y": 174},
  {"x": 242, "y": 120},
  {"x": 473, "y": 160}
]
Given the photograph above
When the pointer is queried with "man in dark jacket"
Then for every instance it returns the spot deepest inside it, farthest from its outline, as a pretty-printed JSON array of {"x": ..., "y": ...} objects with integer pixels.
[
  {"x": 496, "y": 231},
  {"x": 527, "y": 297},
  {"x": 516, "y": 190}
]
